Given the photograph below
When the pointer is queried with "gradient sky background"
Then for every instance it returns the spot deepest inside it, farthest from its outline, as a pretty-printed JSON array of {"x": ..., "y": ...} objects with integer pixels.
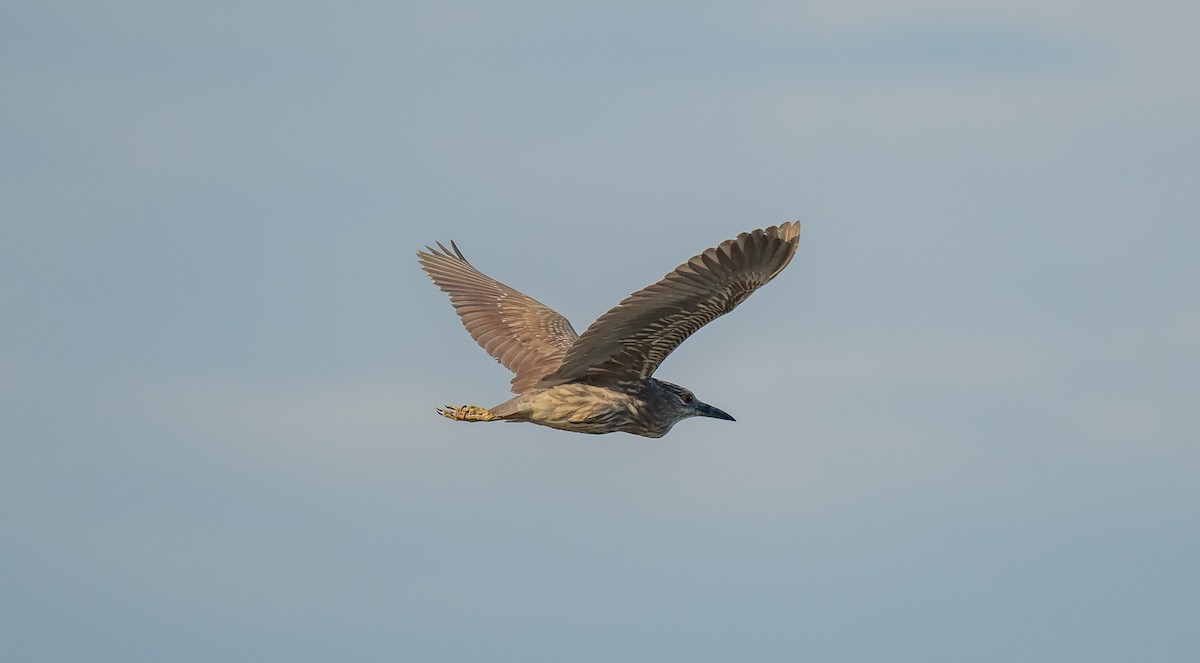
[{"x": 968, "y": 421}]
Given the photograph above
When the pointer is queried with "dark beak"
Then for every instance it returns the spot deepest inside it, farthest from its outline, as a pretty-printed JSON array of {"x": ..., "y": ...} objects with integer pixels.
[{"x": 706, "y": 410}]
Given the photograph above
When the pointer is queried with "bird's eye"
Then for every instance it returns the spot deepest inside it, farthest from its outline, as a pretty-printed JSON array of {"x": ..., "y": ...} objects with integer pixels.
[{"x": 687, "y": 399}]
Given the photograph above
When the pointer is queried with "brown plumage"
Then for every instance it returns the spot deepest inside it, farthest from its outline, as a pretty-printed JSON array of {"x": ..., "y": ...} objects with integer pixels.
[
  {"x": 600, "y": 381},
  {"x": 523, "y": 334}
]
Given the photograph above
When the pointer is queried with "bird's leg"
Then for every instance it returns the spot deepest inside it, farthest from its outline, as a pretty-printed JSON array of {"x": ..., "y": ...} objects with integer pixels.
[{"x": 467, "y": 413}]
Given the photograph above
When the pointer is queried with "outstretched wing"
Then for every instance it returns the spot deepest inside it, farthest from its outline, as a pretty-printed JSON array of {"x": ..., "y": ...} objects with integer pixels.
[
  {"x": 523, "y": 334},
  {"x": 633, "y": 338}
]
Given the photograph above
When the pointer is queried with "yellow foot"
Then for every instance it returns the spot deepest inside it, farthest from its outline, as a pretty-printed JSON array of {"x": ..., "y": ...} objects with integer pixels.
[{"x": 466, "y": 413}]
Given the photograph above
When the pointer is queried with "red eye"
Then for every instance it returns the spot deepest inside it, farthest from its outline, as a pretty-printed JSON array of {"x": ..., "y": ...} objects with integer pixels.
[{"x": 687, "y": 399}]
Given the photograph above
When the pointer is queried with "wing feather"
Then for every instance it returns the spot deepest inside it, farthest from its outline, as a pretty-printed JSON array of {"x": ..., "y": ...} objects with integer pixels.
[
  {"x": 526, "y": 336},
  {"x": 632, "y": 339}
]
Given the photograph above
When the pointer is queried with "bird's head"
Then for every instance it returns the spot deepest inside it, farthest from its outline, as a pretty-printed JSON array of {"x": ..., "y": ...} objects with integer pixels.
[{"x": 681, "y": 403}]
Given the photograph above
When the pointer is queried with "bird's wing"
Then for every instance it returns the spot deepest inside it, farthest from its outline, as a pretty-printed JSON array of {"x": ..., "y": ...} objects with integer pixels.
[
  {"x": 633, "y": 338},
  {"x": 523, "y": 334}
]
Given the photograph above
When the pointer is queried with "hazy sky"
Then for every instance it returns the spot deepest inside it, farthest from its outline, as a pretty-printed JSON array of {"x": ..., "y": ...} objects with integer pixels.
[{"x": 968, "y": 421}]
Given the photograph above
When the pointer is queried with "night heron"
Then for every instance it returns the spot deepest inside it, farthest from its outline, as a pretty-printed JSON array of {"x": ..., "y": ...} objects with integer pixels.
[{"x": 599, "y": 381}]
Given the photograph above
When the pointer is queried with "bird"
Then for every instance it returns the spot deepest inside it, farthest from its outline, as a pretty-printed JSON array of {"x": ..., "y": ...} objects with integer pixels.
[{"x": 601, "y": 381}]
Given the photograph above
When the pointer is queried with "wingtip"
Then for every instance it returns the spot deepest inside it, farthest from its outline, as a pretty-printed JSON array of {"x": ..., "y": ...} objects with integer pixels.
[
  {"x": 452, "y": 252},
  {"x": 430, "y": 256},
  {"x": 789, "y": 231}
]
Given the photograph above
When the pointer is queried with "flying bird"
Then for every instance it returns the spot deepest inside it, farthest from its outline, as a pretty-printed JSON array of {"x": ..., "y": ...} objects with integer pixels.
[{"x": 601, "y": 381}]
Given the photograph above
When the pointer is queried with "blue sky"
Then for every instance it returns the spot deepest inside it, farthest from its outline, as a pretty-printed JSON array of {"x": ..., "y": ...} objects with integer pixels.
[{"x": 967, "y": 424}]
